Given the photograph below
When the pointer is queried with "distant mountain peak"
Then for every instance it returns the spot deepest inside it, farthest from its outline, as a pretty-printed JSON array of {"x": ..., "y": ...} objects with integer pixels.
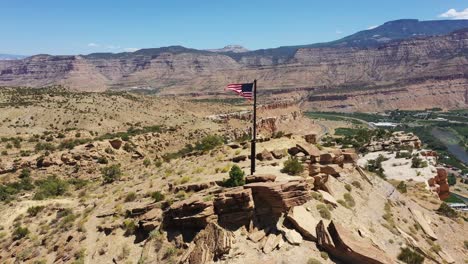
[
  {"x": 11, "y": 57},
  {"x": 231, "y": 48}
]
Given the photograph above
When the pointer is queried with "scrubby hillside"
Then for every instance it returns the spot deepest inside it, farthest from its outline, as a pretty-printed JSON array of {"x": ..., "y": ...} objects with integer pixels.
[{"x": 164, "y": 182}]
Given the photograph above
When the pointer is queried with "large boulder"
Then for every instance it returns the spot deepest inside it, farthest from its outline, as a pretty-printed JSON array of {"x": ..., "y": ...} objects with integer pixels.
[
  {"x": 239, "y": 158},
  {"x": 260, "y": 178},
  {"x": 326, "y": 158},
  {"x": 278, "y": 153},
  {"x": 278, "y": 197},
  {"x": 264, "y": 155},
  {"x": 350, "y": 157},
  {"x": 190, "y": 213},
  {"x": 347, "y": 247},
  {"x": 303, "y": 221},
  {"x": 234, "y": 207},
  {"x": 116, "y": 143},
  {"x": 311, "y": 138},
  {"x": 331, "y": 169},
  {"x": 309, "y": 150}
]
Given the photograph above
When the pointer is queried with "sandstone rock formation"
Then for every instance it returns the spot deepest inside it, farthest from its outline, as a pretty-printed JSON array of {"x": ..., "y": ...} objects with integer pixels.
[{"x": 439, "y": 184}]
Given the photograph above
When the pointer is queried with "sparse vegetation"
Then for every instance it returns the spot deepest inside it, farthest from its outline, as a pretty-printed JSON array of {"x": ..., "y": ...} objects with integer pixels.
[
  {"x": 130, "y": 197},
  {"x": 20, "y": 232},
  {"x": 111, "y": 173},
  {"x": 417, "y": 162},
  {"x": 34, "y": 210},
  {"x": 50, "y": 187},
  {"x": 324, "y": 212},
  {"x": 410, "y": 257},
  {"x": 349, "y": 200},
  {"x": 447, "y": 211},
  {"x": 401, "y": 187},
  {"x": 158, "y": 196}
]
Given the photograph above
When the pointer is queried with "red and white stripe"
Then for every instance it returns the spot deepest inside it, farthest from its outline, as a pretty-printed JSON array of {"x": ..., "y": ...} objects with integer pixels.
[{"x": 237, "y": 87}]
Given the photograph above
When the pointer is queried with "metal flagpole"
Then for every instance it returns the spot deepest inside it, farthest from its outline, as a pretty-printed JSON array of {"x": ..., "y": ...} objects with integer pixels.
[{"x": 254, "y": 132}]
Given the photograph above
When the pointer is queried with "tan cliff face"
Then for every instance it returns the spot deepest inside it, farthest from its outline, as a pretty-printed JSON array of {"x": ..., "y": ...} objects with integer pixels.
[{"x": 410, "y": 64}]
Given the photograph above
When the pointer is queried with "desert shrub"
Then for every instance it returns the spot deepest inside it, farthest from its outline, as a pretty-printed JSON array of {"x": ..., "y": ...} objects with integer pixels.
[
  {"x": 20, "y": 232},
  {"x": 130, "y": 197},
  {"x": 181, "y": 194},
  {"x": 403, "y": 154},
  {"x": 125, "y": 137},
  {"x": 50, "y": 187},
  {"x": 292, "y": 166},
  {"x": 376, "y": 166},
  {"x": 158, "y": 196},
  {"x": 357, "y": 184},
  {"x": 78, "y": 134},
  {"x": 343, "y": 203},
  {"x": 417, "y": 162},
  {"x": 10, "y": 189},
  {"x": 447, "y": 211},
  {"x": 78, "y": 183},
  {"x": 317, "y": 196},
  {"x": 410, "y": 257},
  {"x": 34, "y": 210},
  {"x": 4, "y": 152},
  {"x": 109, "y": 150},
  {"x": 209, "y": 142},
  {"x": 451, "y": 179},
  {"x": 349, "y": 200},
  {"x": 25, "y": 173},
  {"x": 324, "y": 255},
  {"x": 324, "y": 212},
  {"x": 44, "y": 146},
  {"x": 158, "y": 163},
  {"x": 401, "y": 187},
  {"x": 465, "y": 243},
  {"x": 70, "y": 144},
  {"x": 236, "y": 177},
  {"x": 348, "y": 187},
  {"x": 111, "y": 173},
  {"x": 102, "y": 160},
  {"x": 313, "y": 261},
  {"x": 129, "y": 227},
  {"x": 278, "y": 134},
  {"x": 184, "y": 179},
  {"x": 146, "y": 162}
]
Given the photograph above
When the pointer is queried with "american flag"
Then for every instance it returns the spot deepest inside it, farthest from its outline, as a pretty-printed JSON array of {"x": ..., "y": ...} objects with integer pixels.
[{"x": 243, "y": 89}]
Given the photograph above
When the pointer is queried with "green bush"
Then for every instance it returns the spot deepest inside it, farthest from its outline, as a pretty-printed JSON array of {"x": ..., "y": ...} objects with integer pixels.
[
  {"x": 417, "y": 162},
  {"x": 209, "y": 142},
  {"x": 111, "y": 173},
  {"x": 50, "y": 187},
  {"x": 313, "y": 261},
  {"x": 324, "y": 212},
  {"x": 129, "y": 227},
  {"x": 292, "y": 166},
  {"x": 34, "y": 210},
  {"x": 158, "y": 196},
  {"x": 44, "y": 146},
  {"x": 349, "y": 200},
  {"x": 451, "y": 179},
  {"x": 236, "y": 177},
  {"x": 448, "y": 211},
  {"x": 102, "y": 160},
  {"x": 25, "y": 173},
  {"x": 146, "y": 162},
  {"x": 348, "y": 187},
  {"x": 401, "y": 187},
  {"x": 130, "y": 197},
  {"x": 20, "y": 232},
  {"x": 410, "y": 257},
  {"x": 376, "y": 166},
  {"x": 403, "y": 154}
]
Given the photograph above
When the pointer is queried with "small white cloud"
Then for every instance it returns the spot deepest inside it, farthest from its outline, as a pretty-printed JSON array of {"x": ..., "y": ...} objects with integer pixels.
[
  {"x": 93, "y": 45},
  {"x": 371, "y": 27},
  {"x": 454, "y": 14},
  {"x": 130, "y": 49},
  {"x": 339, "y": 32}
]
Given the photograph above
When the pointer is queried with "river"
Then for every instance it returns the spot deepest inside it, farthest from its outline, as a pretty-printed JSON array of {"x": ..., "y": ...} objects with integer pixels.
[{"x": 450, "y": 140}]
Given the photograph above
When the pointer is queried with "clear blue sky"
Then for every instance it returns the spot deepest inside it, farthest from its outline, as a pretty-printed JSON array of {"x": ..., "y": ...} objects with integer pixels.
[{"x": 85, "y": 26}]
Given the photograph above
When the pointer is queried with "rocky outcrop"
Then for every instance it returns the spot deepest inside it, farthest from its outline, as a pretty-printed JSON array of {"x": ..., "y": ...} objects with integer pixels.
[
  {"x": 209, "y": 245},
  {"x": 439, "y": 184},
  {"x": 191, "y": 213},
  {"x": 234, "y": 208},
  {"x": 304, "y": 222},
  {"x": 278, "y": 197}
]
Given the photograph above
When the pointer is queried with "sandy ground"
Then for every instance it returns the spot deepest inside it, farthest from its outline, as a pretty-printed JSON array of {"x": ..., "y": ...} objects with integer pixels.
[{"x": 400, "y": 169}]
